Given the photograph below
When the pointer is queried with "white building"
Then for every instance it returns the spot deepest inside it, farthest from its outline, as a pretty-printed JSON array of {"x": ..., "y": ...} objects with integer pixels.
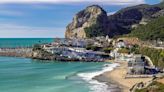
[
  {"x": 136, "y": 65},
  {"x": 120, "y": 44},
  {"x": 79, "y": 43}
]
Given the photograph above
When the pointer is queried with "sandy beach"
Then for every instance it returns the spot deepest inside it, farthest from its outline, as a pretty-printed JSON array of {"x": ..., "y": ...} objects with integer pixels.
[{"x": 117, "y": 77}]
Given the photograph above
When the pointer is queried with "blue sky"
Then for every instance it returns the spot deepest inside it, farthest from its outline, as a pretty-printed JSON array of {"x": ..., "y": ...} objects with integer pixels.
[{"x": 48, "y": 18}]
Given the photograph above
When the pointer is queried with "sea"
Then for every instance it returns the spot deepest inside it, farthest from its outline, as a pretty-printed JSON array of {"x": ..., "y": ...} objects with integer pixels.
[
  {"x": 29, "y": 75},
  {"x": 23, "y": 42}
]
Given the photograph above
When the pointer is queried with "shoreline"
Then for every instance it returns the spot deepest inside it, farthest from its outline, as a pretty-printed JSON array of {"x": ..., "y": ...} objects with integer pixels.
[
  {"x": 114, "y": 77},
  {"x": 29, "y": 53},
  {"x": 117, "y": 78}
]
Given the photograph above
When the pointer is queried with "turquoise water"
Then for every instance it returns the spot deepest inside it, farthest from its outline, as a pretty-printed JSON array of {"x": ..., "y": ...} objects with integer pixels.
[
  {"x": 27, "y": 75},
  {"x": 22, "y": 42}
]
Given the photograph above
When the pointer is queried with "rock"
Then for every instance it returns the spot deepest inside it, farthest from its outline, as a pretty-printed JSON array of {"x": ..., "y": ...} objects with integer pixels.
[
  {"x": 93, "y": 21},
  {"x": 158, "y": 14},
  {"x": 92, "y": 15}
]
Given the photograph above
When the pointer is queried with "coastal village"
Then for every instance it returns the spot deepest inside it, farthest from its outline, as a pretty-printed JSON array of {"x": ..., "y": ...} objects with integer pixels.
[
  {"x": 140, "y": 63},
  {"x": 79, "y": 49},
  {"x": 136, "y": 66},
  {"x": 98, "y": 49},
  {"x": 102, "y": 49}
]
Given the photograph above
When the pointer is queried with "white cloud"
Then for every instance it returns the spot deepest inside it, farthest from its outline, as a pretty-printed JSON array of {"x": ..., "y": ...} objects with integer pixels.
[
  {"x": 112, "y": 2},
  {"x": 18, "y": 31}
]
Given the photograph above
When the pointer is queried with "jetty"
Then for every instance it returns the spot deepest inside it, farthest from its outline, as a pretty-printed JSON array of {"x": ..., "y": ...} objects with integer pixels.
[{"x": 16, "y": 52}]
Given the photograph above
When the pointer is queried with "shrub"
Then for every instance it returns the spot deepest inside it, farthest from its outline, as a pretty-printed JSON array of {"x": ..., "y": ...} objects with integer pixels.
[{"x": 107, "y": 50}]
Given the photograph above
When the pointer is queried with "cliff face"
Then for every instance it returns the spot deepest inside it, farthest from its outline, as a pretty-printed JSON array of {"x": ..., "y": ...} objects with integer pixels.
[
  {"x": 91, "y": 16},
  {"x": 93, "y": 21}
]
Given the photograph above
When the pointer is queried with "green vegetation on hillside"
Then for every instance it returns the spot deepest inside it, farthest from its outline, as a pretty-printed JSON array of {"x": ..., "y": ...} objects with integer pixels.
[
  {"x": 94, "y": 31},
  {"x": 156, "y": 55},
  {"x": 107, "y": 49},
  {"x": 124, "y": 50},
  {"x": 152, "y": 31},
  {"x": 153, "y": 87},
  {"x": 94, "y": 48},
  {"x": 161, "y": 5}
]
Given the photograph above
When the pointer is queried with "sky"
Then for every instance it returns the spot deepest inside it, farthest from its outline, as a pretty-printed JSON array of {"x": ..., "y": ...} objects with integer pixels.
[{"x": 49, "y": 18}]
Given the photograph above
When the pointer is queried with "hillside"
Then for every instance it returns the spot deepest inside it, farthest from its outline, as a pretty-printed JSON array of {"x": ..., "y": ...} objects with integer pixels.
[
  {"x": 161, "y": 5},
  {"x": 153, "y": 87},
  {"x": 133, "y": 16},
  {"x": 152, "y": 31},
  {"x": 93, "y": 21}
]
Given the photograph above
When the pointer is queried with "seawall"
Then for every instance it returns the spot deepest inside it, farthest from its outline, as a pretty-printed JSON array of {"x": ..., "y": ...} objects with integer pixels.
[{"x": 16, "y": 52}]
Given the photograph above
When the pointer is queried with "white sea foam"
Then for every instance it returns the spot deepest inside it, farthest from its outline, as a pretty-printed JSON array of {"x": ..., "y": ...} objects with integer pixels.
[{"x": 96, "y": 86}]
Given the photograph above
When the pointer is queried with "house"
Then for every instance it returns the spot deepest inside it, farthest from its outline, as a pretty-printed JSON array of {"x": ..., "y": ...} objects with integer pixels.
[
  {"x": 108, "y": 39},
  {"x": 79, "y": 43},
  {"x": 120, "y": 44},
  {"x": 97, "y": 44},
  {"x": 56, "y": 50},
  {"x": 136, "y": 65}
]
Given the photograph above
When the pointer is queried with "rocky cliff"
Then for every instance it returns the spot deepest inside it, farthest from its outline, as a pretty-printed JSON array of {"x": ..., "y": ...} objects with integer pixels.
[
  {"x": 89, "y": 17},
  {"x": 93, "y": 21}
]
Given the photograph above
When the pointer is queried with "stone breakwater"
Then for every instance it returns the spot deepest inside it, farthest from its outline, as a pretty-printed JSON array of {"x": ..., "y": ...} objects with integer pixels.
[
  {"x": 16, "y": 52},
  {"x": 29, "y": 53}
]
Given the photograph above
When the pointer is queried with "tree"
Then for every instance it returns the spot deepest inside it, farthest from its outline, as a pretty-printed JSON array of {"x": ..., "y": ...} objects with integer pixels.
[{"x": 107, "y": 50}]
